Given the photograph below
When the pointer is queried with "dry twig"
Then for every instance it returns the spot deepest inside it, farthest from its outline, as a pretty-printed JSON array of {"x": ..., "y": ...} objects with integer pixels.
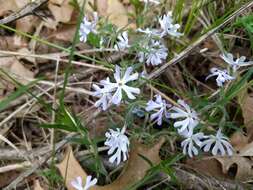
[{"x": 26, "y": 10}]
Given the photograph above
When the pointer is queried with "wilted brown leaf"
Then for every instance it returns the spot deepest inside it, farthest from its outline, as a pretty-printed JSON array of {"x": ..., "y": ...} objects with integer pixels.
[
  {"x": 115, "y": 11},
  {"x": 135, "y": 168},
  {"x": 61, "y": 10},
  {"x": 16, "y": 69},
  {"x": 70, "y": 168},
  {"x": 247, "y": 150},
  {"x": 7, "y": 6},
  {"x": 37, "y": 185},
  {"x": 235, "y": 167},
  {"x": 247, "y": 111},
  {"x": 208, "y": 166},
  {"x": 238, "y": 141}
]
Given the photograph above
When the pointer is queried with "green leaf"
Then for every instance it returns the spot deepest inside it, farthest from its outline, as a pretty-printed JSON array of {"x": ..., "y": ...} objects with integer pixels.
[
  {"x": 59, "y": 126},
  {"x": 94, "y": 40}
]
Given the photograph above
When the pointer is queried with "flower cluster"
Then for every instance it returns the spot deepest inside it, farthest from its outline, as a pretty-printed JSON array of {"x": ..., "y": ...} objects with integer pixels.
[
  {"x": 186, "y": 121},
  {"x": 167, "y": 26},
  {"x": 153, "y": 52},
  {"x": 87, "y": 27},
  {"x": 188, "y": 118},
  {"x": 118, "y": 144},
  {"x": 223, "y": 75},
  {"x": 161, "y": 108}
]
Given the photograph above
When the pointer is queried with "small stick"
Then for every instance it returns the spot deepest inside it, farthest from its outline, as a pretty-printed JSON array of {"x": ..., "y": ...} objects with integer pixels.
[
  {"x": 26, "y": 10},
  {"x": 15, "y": 167},
  {"x": 54, "y": 58}
]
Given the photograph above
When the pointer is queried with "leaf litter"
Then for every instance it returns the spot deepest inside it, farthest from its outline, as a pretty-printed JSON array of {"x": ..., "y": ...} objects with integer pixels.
[{"x": 60, "y": 28}]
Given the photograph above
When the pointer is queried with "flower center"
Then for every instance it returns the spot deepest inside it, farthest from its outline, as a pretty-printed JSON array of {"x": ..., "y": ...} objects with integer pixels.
[{"x": 120, "y": 83}]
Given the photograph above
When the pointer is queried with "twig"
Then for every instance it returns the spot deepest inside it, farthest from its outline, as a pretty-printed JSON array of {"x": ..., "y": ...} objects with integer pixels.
[
  {"x": 37, "y": 164},
  {"x": 192, "y": 181},
  {"x": 26, "y": 10},
  {"x": 54, "y": 58},
  {"x": 15, "y": 167},
  {"x": 190, "y": 48}
]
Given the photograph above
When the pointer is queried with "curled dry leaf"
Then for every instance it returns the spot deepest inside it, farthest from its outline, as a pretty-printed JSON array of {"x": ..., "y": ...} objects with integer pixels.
[
  {"x": 237, "y": 167},
  {"x": 135, "y": 168},
  {"x": 247, "y": 112},
  {"x": 230, "y": 168}
]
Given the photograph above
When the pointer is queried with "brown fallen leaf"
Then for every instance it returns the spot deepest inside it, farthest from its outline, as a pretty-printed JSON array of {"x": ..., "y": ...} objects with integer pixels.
[
  {"x": 237, "y": 167},
  {"x": 16, "y": 69},
  {"x": 238, "y": 141},
  {"x": 70, "y": 169},
  {"x": 61, "y": 10},
  {"x": 247, "y": 150},
  {"x": 37, "y": 185},
  {"x": 208, "y": 166},
  {"x": 135, "y": 169},
  {"x": 232, "y": 168},
  {"x": 247, "y": 112},
  {"x": 66, "y": 33},
  {"x": 115, "y": 11}
]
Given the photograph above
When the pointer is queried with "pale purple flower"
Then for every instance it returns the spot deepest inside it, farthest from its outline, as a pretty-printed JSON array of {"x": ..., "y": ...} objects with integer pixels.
[
  {"x": 149, "y": 32},
  {"x": 219, "y": 144},
  {"x": 186, "y": 117},
  {"x": 235, "y": 63},
  {"x": 222, "y": 76},
  {"x": 121, "y": 85},
  {"x": 87, "y": 27},
  {"x": 104, "y": 96},
  {"x": 190, "y": 144},
  {"x": 118, "y": 144},
  {"x": 160, "y": 107},
  {"x": 154, "y": 54},
  {"x": 156, "y": 2},
  {"x": 167, "y": 26},
  {"x": 122, "y": 42},
  {"x": 77, "y": 183}
]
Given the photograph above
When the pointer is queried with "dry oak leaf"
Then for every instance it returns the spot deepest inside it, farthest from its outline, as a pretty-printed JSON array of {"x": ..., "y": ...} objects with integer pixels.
[
  {"x": 37, "y": 185},
  {"x": 135, "y": 169},
  {"x": 25, "y": 24},
  {"x": 247, "y": 112},
  {"x": 61, "y": 10},
  {"x": 238, "y": 140},
  {"x": 238, "y": 167},
  {"x": 230, "y": 168},
  {"x": 247, "y": 150},
  {"x": 11, "y": 6},
  {"x": 114, "y": 10},
  {"x": 16, "y": 69}
]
